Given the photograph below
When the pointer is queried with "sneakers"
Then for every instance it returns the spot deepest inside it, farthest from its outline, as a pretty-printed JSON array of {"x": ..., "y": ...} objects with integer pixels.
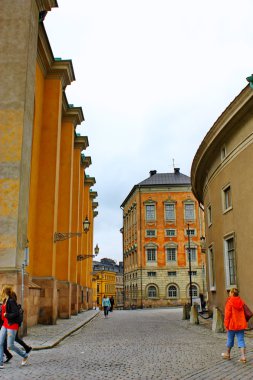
[
  {"x": 1, "y": 366},
  {"x": 24, "y": 361},
  {"x": 29, "y": 350},
  {"x": 8, "y": 358}
]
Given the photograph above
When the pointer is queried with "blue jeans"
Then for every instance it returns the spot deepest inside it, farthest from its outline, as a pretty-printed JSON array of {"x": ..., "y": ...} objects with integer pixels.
[
  {"x": 231, "y": 338},
  {"x": 10, "y": 343}
]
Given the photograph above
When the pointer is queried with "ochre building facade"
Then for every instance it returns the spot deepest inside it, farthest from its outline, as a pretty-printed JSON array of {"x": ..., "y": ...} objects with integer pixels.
[
  {"x": 222, "y": 181},
  {"x": 158, "y": 215},
  {"x": 45, "y": 192}
]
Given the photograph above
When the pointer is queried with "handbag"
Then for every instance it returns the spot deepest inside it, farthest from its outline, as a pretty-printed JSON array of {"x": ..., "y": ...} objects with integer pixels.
[{"x": 247, "y": 312}]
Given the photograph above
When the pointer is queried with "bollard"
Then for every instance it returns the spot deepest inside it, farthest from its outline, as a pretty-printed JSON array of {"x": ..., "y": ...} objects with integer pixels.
[
  {"x": 217, "y": 325},
  {"x": 194, "y": 317},
  {"x": 186, "y": 311}
]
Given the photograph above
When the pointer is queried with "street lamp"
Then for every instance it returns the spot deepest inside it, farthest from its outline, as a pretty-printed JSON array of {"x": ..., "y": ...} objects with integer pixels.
[
  {"x": 190, "y": 263},
  {"x": 83, "y": 257},
  {"x": 86, "y": 225},
  {"x": 96, "y": 250},
  {"x": 59, "y": 236}
]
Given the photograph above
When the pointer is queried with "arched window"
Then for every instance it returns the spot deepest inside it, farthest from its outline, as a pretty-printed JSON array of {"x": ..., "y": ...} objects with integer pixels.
[
  {"x": 152, "y": 292},
  {"x": 172, "y": 291},
  {"x": 194, "y": 291}
]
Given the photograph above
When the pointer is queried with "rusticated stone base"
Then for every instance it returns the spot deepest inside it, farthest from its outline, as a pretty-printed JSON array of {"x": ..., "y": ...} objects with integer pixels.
[
  {"x": 64, "y": 299},
  {"x": 48, "y": 300}
]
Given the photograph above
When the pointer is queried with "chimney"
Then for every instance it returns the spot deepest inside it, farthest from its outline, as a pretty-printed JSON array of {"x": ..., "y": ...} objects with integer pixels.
[
  {"x": 176, "y": 170},
  {"x": 152, "y": 172}
]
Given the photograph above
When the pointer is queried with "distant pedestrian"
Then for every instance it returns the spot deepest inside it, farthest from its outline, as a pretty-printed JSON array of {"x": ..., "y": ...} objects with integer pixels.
[
  {"x": 106, "y": 305},
  {"x": 10, "y": 317},
  {"x": 112, "y": 303},
  {"x": 235, "y": 324}
]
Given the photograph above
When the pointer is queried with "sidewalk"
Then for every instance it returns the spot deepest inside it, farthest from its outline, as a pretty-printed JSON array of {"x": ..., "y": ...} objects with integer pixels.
[{"x": 42, "y": 337}]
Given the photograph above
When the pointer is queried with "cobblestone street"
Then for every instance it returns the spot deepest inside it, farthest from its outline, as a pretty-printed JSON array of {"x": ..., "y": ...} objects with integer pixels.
[{"x": 137, "y": 344}]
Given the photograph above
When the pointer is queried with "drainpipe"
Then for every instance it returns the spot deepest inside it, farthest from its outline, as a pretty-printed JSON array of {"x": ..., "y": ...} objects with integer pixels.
[{"x": 140, "y": 243}]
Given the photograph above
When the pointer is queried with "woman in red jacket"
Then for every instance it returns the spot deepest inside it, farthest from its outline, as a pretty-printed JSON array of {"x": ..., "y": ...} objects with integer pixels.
[{"x": 235, "y": 324}]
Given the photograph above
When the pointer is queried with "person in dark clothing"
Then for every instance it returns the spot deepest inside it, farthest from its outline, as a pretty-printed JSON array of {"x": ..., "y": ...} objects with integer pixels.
[
  {"x": 10, "y": 317},
  {"x": 112, "y": 303}
]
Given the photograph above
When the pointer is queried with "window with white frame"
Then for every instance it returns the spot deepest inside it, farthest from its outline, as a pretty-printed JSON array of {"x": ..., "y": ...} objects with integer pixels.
[
  {"x": 211, "y": 268},
  {"x": 189, "y": 211},
  {"x": 151, "y": 233},
  {"x": 209, "y": 215},
  {"x": 151, "y": 254},
  {"x": 152, "y": 291},
  {"x": 172, "y": 273},
  {"x": 150, "y": 212},
  {"x": 172, "y": 291},
  {"x": 151, "y": 274},
  {"x": 193, "y": 291},
  {"x": 192, "y": 251},
  {"x": 171, "y": 254},
  {"x": 227, "y": 199},
  {"x": 193, "y": 273},
  {"x": 230, "y": 265},
  {"x": 190, "y": 231},
  {"x": 170, "y": 211},
  {"x": 170, "y": 232}
]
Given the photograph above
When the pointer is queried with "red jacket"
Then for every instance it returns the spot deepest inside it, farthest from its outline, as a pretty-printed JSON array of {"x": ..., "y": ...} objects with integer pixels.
[{"x": 234, "y": 314}]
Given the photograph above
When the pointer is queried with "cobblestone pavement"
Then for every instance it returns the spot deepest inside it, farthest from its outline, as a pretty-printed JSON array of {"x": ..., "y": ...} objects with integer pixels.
[{"x": 135, "y": 344}]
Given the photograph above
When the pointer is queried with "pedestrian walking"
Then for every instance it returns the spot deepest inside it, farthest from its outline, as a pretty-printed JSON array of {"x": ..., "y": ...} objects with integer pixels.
[
  {"x": 235, "y": 324},
  {"x": 10, "y": 317},
  {"x": 112, "y": 303},
  {"x": 106, "y": 305}
]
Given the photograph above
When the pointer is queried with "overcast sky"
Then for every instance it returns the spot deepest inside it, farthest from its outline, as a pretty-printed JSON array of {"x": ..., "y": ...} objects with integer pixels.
[{"x": 152, "y": 76}]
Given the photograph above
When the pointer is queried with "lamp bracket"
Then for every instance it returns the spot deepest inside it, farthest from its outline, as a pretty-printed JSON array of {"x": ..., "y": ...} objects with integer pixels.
[
  {"x": 59, "y": 236},
  {"x": 83, "y": 257}
]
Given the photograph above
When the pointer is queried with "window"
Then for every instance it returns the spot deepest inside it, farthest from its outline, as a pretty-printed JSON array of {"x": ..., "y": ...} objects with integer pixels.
[
  {"x": 171, "y": 254},
  {"x": 193, "y": 291},
  {"x": 150, "y": 233},
  {"x": 223, "y": 152},
  {"x": 230, "y": 262},
  {"x": 172, "y": 291},
  {"x": 190, "y": 231},
  {"x": 150, "y": 212},
  {"x": 209, "y": 215},
  {"x": 172, "y": 273},
  {"x": 170, "y": 232},
  {"x": 98, "y": 288},
  {"x": 227, "y": 198},
  {"x": 151, "y": 274},
  {"x": 211, "y": 268},
  {"x": 189, "y": 211},
  {"x": 170, "y": 211},
  {"x": 152, "y": 292},
  {"x": 193, "y": 273},
  {"x": 192, "y": 252},
  {"x": 151, "y": 254}
]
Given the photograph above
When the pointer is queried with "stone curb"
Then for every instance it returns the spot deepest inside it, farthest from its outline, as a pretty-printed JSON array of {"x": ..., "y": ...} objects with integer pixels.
[{"x": 65, "y": 335}]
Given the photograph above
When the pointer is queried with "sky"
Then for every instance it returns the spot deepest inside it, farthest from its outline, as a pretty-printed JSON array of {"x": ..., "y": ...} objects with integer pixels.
[{"x": 152, "y": 76}]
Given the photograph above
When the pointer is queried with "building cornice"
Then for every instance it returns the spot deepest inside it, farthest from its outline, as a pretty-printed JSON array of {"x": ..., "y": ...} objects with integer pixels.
[
  {"x": 81, "y": 142},
  {"x": 70, "y": 113},
  {"x": 46, "y": 5},
  {"x": 94, "y": 205},
  {"x": 93, "y": 194},
  {"x": 89, "y": 181},
  {"x": 54, "y": 68},
  {"x": 85, "y": 161},
  {"x": 236, "y": 110}
]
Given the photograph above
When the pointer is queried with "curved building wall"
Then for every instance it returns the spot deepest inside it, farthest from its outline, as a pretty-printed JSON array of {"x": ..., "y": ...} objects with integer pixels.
[{"x": 222, "y": 180}]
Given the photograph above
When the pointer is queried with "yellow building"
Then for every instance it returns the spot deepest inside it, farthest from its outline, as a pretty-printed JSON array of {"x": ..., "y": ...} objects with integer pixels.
[
  {"x": 45, "y": 192},
  {"x": 105, "y": 282}
]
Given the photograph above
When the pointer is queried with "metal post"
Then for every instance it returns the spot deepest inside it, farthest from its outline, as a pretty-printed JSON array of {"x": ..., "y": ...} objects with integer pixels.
[{"x": 190, "y": 265}]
